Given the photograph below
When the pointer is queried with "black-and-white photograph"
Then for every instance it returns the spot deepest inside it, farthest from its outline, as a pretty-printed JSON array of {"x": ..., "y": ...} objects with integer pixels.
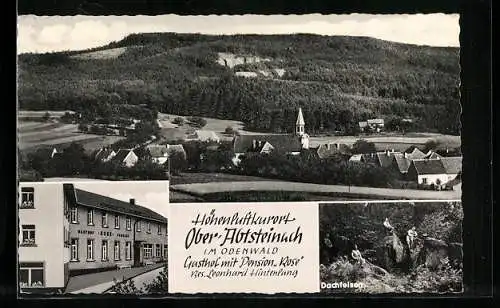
[
  {"x": 245, "y": 108},
  {"x": 391, "y": 247},
  {"x": 93, "y": 237}
]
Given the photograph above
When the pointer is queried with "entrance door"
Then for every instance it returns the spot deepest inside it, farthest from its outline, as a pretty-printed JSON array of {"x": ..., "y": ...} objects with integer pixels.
[{"x": 137, "y": 254}]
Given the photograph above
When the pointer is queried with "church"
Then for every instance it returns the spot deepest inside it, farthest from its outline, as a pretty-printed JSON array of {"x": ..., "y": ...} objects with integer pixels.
[{"x": 291, "y": 144}]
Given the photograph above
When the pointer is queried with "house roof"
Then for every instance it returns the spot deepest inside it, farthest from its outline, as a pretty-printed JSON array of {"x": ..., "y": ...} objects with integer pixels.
[
  {"x": 356, "y": 157},
  {"x": 103, "y": 153},
  {"x": 121, "y": 154},
  {"x": 300, "y": 118},
  {"x": 432, "y": 155},
  {"x": 414, "y": 154},
  {"x": 206, "y": 135},
  {"x": 370, "y": 158},
  {"x": 284, "y": 143},
  {"x": 429, "y": 166},
  {"x": 452, "y": 165},
  {"x": 157, "y": 150},
  {"x": 385, "y": 159},
  {"x": 375, "y": 121},
  {"x": 402, "y": 162},
  {"x": 90, "y": 199},
  {"x": 328, "y": 150}
]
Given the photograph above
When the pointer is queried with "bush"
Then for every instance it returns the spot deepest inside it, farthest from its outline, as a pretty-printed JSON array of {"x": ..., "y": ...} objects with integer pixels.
[
  {"x": 230, "y": 131},
  {"x": 160, "y": 284},
  {"x": 178, "y": 120},
  {"x": 197, "y": 121},
  {"x": 125, "y": 287}
]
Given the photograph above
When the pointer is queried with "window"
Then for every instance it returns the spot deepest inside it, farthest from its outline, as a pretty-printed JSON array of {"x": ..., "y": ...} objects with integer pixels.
[
  {"x": 165, "y": 250},
  {"x": 27, "y": 197},
  {"x": 128, "y": 223},
  {"x": 424, "y": 180},
  {"x": 104, "y": 220},
  {"x": 31, "y": 275},
  {"x": 90, "y": 250},
  {"x": 159, "y": 229},
  {"x": 104, "y": 250},
  {"x": 74, "y": 215},
  {"x": 138, "y": 226},
  {"x": 149, "y": 227},
  {"x": 90, "y": 217},
  {"x": 28, "y": 232},
  {"x": 117, "y": 222},
  {"x": 117, "y": 251},
  {"x": 74, "y": 249},
  {"x": 148, "y": 251},
  {"x": 128, "y": 250},
  {"x": 158, "y": 251}
]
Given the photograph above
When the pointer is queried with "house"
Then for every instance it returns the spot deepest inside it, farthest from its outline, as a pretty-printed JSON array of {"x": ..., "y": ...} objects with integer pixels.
[
  {"x": 385, "y": 159},
  {"x": 376, "y": 125},
  {"x": 427, "y": 172},
  {"x": 332, "y": 149},
  {"x": 452, "y": 166},
  {"x": 205, "y": 136},
  {"x": 126, "y": 157},
  {"x": 157, "y": 153},
  {"x": 291, "y": 144},
  {"x": 104, "y": 154},
  {"x": 401, "y": 163},
  {"x": 414, "y": 153},
  {"x": 432, "y": 155}
]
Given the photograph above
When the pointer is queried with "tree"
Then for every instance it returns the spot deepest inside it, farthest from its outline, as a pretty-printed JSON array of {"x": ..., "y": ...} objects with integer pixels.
[
  {"x": 46, "y": 116},
  {"x": 177, "y": 162},
  {"x": 178, "y": 120},
  {"x": 363, "y": 147}
]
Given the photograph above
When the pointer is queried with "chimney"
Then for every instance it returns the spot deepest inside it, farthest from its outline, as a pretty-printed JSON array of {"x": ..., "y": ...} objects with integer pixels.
[
  {"x": 254, "y": 144},
  {"x": 132, "y": 201}
]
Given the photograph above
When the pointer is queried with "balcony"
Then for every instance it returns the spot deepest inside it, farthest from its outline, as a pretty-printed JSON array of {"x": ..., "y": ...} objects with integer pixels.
[{"x": 28, "y": 242}]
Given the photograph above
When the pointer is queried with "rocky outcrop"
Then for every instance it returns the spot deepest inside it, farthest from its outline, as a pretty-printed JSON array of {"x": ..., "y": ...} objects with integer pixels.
[
  {"x": 391, "y": 252},
  {"x": 433, "y": 252}
]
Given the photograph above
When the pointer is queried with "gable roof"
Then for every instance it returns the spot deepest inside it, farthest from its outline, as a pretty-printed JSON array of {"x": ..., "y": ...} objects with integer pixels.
[
  {"x": 284, "y": 143},
  {"x": 432, "y": 155},
  {"x": 414, "y": 154},
  {"x": 86, "y": 198},
  {"x": 157, "y": 150},
  {"x": 356, "y": 157},
  {"x": 385, "y": 159},
  {"x": 429, "y": 166},
  {"x": 375, "y": 121},
  {"x": 452, "y": 165},
  {"x": 402, "y": 162},
  {"x": 103, "y": 154},
  {"x": 328, "y": 150},
  {"x": 121, "y": 155}
]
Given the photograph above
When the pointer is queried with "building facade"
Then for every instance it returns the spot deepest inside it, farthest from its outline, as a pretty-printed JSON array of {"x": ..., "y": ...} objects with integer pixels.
[
  {"x": 66, "y": 231},
  {"x": 43, "y": 237}
]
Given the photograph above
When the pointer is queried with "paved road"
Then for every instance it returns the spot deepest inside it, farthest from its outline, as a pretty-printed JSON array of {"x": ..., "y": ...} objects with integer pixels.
[
  {"x": 207, "y": 188},
  {"x": 100, "y": 282}
]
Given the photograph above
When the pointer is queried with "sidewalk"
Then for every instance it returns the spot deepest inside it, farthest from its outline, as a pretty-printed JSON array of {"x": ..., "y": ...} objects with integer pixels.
[{"x": 100, "y": 282}]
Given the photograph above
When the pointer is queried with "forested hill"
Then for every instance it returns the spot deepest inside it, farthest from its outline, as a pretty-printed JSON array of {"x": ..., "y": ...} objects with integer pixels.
[{"x": 337, "y": 80}]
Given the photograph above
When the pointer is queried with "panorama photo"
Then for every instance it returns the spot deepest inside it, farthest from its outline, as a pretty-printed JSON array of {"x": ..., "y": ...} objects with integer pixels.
[{"x": 244, "y": 108}]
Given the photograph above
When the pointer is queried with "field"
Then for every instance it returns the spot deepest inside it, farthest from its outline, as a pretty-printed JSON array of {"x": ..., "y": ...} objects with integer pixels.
[
  {"x": 190, "y": 178},
  {"x": 33, "y": 134},
  {"x": 200, "y": 186}
]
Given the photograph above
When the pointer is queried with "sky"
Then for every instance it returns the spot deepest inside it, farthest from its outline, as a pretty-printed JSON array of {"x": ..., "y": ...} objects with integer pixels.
[
  {"x": 150, "y": 194},
  {"x": 61, "y": 33}
]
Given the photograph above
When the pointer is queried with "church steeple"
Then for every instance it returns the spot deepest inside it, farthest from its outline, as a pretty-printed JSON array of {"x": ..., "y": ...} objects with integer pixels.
[{"x": 300, "y": 124}]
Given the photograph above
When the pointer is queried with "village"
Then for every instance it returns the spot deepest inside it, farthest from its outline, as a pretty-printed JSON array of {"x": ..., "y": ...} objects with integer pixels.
[{"x": 232, "y": 151}]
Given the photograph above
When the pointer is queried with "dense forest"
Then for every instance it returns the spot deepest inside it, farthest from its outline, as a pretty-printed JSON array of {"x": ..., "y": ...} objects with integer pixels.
[{"x": 337, "y": 80}]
